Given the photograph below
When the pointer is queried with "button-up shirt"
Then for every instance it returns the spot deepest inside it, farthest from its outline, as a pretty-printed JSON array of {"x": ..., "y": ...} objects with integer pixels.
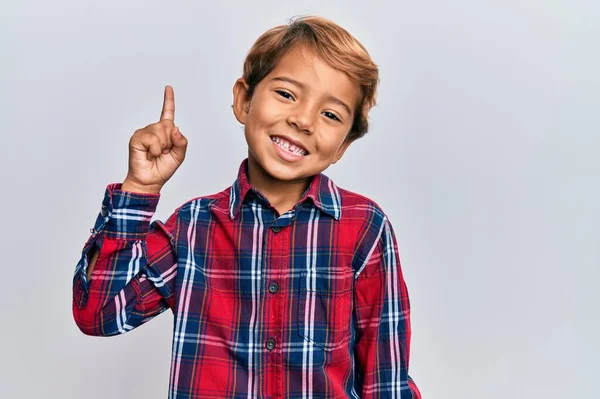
[{"x": 311, "y": 303}]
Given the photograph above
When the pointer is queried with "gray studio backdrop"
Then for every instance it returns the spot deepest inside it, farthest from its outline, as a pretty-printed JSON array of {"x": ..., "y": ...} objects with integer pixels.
[{"x": 483, "y": 152}]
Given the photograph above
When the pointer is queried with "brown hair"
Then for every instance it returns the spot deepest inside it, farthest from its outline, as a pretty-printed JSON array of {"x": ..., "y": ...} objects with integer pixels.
[{"x": 333, "y": 44}]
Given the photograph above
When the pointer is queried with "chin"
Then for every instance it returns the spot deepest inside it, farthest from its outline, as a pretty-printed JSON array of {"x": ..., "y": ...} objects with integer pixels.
[{"x": 281, "y": 171}]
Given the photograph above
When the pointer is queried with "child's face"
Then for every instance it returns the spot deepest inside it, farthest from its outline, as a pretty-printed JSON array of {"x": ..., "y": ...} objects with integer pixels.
[{"x": 306, "y": 100}]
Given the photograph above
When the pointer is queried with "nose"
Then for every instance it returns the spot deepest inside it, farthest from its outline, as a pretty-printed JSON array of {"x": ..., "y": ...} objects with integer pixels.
[{"x": 302, "y": 119}]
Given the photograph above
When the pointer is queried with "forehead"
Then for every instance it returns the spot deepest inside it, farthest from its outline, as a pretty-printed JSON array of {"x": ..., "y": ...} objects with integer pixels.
[{"x": 304, "y": 65}]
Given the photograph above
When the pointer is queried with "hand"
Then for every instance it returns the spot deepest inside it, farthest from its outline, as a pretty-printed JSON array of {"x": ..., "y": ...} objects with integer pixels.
[{"x": 156, "y": 151}]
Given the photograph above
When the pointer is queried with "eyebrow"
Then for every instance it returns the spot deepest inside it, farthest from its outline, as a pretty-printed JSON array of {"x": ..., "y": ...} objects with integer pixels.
[{"x": 302, "y": 86}]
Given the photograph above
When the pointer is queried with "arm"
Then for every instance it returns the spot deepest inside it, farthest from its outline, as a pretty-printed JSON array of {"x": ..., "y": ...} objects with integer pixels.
[
  {"x": 383, "y": 322},
  {"x": 134, "y": 268}
]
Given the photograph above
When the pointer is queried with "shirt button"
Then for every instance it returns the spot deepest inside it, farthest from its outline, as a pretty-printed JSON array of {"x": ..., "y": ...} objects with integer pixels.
[
  {"x": 275, "y": 229},
  {"x": 273, "y": 287},
  {"x": 270, "y": 344}
]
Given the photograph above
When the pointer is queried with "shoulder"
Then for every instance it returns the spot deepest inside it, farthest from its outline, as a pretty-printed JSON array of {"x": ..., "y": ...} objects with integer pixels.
[
  {"x": 194, "y": 208},
  {"x": 205, "y": 203},
  {"x": 355, "y": 205},
  {"x": 370, "y": 222}
]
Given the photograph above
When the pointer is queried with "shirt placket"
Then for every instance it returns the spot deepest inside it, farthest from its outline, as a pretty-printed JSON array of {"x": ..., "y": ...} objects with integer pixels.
[{"x": 277, "y": 261}]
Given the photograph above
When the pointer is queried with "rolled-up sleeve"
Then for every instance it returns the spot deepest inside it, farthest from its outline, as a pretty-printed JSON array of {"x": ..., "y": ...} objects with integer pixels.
[{"x": 133, "y": 277}]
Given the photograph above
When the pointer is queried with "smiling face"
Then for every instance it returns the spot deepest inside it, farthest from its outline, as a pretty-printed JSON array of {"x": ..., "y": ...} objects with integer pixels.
[{"x": 297, "y": 119}]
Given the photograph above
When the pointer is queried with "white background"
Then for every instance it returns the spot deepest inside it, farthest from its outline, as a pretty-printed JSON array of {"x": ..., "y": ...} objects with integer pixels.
[{"x": 483, "y": 151}]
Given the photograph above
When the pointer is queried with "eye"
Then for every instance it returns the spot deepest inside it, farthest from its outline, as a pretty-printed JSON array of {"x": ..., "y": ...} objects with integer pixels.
[
  {"x": 331, "y": 116},
  {"x": 284, "y": 94}
]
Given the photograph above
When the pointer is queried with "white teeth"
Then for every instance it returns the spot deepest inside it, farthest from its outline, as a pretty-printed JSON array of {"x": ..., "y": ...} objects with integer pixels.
[{"x": 290, "y": 147}]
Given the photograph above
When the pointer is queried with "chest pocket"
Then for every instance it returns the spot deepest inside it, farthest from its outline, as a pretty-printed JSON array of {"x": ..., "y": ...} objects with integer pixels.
[{"x": 324, "y": 308}]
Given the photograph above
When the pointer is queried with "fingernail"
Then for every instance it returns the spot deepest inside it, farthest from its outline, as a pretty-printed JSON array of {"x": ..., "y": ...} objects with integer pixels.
[{"x": 178, "y": 133}]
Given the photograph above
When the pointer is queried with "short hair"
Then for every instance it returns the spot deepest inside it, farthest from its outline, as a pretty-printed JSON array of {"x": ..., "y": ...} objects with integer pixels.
[{"x": 332, "y": 43}]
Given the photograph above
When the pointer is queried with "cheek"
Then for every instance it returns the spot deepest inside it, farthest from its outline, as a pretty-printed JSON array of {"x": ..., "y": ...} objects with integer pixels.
[
  {"x": 265, "y": 111},
  {"x": 330, "y": 139}
]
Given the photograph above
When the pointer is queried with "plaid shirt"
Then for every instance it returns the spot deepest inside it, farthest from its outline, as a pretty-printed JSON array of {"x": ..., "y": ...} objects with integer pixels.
[{"x": 308, "y": 304}]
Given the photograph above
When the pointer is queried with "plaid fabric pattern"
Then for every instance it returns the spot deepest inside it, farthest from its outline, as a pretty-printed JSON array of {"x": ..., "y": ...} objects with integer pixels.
[{"x": 309, "y": 304}]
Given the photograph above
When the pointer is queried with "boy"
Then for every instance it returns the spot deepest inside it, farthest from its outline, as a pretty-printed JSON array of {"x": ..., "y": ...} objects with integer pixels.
[{"x": 283, "y": 284}]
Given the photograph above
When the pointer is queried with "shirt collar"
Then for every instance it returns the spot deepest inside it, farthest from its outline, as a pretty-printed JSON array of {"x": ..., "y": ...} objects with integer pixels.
[{"x": 323, "y": 192}]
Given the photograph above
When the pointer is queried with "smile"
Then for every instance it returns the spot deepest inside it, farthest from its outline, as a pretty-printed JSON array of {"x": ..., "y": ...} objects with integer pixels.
[{"x": 287, "y": 146}]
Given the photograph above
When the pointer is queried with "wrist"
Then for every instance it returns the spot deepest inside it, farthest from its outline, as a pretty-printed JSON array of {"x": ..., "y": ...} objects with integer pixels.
[{"x": 134, "y": 187}]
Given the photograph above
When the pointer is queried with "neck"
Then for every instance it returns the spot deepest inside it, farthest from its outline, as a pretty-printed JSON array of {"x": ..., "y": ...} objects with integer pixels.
[{"x": 282, "y": 195}]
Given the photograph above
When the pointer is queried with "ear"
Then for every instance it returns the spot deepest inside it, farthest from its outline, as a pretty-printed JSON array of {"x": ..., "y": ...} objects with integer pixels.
[
  {"x": 341, "y": 150},
  {"x": 241, "y": 102}
]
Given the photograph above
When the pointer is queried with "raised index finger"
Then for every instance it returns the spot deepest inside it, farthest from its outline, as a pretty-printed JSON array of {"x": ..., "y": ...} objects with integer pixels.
[{"x": 168, "y": 109}]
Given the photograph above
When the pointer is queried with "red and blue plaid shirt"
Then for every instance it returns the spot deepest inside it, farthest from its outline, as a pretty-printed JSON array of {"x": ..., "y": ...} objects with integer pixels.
[{"x": 308, "y": 304}]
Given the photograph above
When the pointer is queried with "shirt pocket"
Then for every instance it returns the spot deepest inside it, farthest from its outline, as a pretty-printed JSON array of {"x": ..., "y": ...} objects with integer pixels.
[{"x": 324, "y": 308}]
